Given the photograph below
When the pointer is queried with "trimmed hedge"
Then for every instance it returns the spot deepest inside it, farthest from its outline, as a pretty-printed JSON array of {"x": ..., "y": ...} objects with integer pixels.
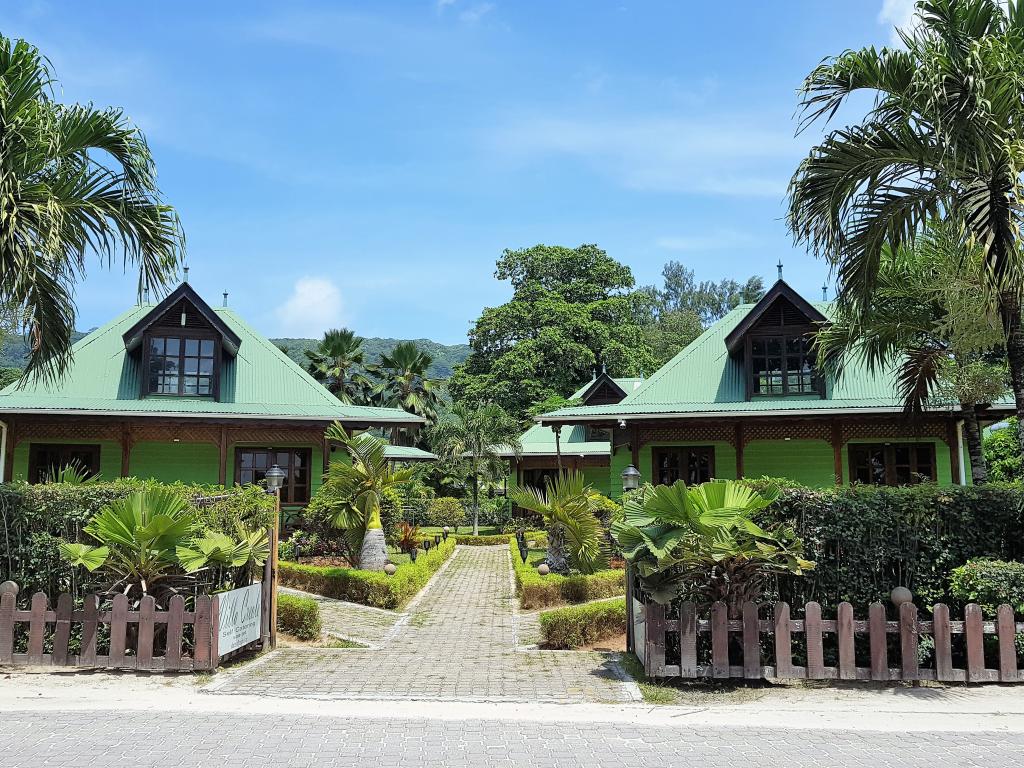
[
  {"x": 578, "y": 625},
  {"x": 536, "y": 591},
  {"x": 868, "y": 539},
  {"x": 989, "y": 583},
  {"x": 500, "y": 538},
  {"x": 374, "y": 588},
  {"x": 299, "y": 616}
]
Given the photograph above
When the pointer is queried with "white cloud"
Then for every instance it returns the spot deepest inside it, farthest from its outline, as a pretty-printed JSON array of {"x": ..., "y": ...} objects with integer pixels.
[
  {"x": 313, "y": 306},
  {"x": 440, "y": 5},
  {"x": 898, "y": 15},
  {"x": 720, "y": 155},
  {"x": 475, "y": 13},
  {"x": 720, "y": 240}
]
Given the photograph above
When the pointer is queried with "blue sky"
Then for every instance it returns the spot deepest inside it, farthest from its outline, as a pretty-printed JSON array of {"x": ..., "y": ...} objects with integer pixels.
[{"x": 365, "y": 163}]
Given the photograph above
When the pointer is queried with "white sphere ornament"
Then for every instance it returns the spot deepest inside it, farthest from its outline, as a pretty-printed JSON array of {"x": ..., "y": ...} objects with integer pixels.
[
  {"x": 900, "y": 595},
  {"x": 446, "y": 529},
  {"x": 543, "y": 569},
  {"x": 531, "y": 544},
  {"x": 390, "y": 569}
]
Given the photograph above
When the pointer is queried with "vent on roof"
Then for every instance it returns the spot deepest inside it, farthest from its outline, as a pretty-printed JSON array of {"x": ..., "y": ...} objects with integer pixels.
[
  {"x": 182, "y": 315},
  {"x": 781, "y": 313}
]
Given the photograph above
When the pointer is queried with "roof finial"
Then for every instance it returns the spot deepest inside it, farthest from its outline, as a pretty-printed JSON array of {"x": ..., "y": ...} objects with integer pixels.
[
  {"x": 185, "y": 280},
  {"x": 604, "y": 369},
  {"x": 225, "y": 298},
  {"x": 779, "y": 265},
  {"x": 145, "y": 293},
  {"x": 824, "y": 291}
]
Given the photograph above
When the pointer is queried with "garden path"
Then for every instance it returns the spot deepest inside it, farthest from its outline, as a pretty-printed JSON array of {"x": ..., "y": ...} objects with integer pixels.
[
  {"x": 351, "y": 621},
  {"x": 457, "y": 642}
]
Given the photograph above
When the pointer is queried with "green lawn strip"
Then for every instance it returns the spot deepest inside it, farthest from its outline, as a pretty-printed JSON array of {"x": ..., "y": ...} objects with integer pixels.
[
  {"x": 373, "y": 588},
  {"x": 536, "y": 591}
]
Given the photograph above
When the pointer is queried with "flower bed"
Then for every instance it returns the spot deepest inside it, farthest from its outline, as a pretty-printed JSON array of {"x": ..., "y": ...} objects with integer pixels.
[
  {"x": 374, "y": 588},
  {"x": 536, "y": 591},
  {"x": 578, "y": 625}
]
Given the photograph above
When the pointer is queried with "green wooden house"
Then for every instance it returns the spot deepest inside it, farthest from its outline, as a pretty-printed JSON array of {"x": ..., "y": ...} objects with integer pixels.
[
  {"x": 747, "y": 399},
  {"x": 180, "y": 390}
]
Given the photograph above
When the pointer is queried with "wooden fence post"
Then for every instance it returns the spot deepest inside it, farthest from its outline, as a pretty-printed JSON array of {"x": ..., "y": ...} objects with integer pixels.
[
  {"x": 7, "y": 627},
  {"x": 90, "y": 622},
  {"x": 654, "y": 660},
  {"x": 175, "y": 620},
  {"x": 812, "y": 634},
  {"x": 118, "y": 630},
  {"x": 783, "y": 643},
  {"x": 201, "y": 629},
  {"x": 751, "y": 642},
  {"x": 688, "y": 640},
  {"x": 37, "y": 628},
  {"x": 720, "y": 640},
  {"x": 144, "y": 649},
  {"x": 214, "y": 631},
  {"x": 845, "y": 638},
  {"x": 942, "y": 633},
  {"x": 1006, "y": 628},
  {"x": 879, "y": 647},
  {"x": 62, "y": 632},
  {"x": 908, "y": 641},
  {"x": 975, "y": 637}
]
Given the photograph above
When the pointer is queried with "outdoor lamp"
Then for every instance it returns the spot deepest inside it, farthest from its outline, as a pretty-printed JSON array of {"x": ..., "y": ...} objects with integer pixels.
[
  {"x": 630, "y": 478},
  {"x": 275, "y": 478},
  {"x": 437, "y": 538},
  {"x": 444, "y": 533},
  {"x": 413, "y": 553},
  {"x": 426, "y": 545}
]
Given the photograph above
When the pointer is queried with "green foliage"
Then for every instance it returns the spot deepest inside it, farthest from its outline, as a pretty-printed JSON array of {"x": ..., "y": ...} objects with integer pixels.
[
  {"x": 707, "y": 301},
  {"x": 403, "y": 381},
  {"x": 574, "y": 533},
  {"x": 76, "y": 181},
  {"x": 865, "y": 540},
  {"x": 1002, "y": 454},
  {"x": 670, "y": 333},
  {"x": 70, "y": 474},
  {"x": 444, "y": 511},
  {"x": 374, "y": 588},
  {"x": 536, "y": 591},
  {"x": 299, "y": 616},
  {"x": 703, "y": 543},
  {"x": 9, "y": 375},
  {"x": 336, "y": 362},
  {"x": 989, "y": 583},
  {"x": 444, "y": 357},
  {"x": 572, "y": 310},
  {"x": 579, "y": 625}
]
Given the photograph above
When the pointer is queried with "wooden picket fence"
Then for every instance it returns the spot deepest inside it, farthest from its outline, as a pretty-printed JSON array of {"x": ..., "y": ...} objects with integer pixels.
[
  {"x": 652, "y": 631},
  {"x": 55, "y": 625}
]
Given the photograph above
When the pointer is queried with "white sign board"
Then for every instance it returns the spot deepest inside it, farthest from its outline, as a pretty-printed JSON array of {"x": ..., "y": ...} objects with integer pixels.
[{"x": 240, "y": 612}]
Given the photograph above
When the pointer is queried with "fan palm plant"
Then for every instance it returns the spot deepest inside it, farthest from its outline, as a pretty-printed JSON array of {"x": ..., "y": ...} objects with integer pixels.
[
  {"x": 575, "y": 537},
  {"x": 353, "y": 490},
  {"x": 404, "y": 382},
  {"x": 473, "y": 441},
  {"x": 335, "y": 363},
  {"x": 942, "y": 140},
  {"x": 73, "y": 179},
  {"x": 928, "y": 316},
  {"x": 703, "y": 543}
]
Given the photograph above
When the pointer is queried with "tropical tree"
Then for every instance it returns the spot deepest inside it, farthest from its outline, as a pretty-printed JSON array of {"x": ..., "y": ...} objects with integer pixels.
[
  {"x": 928, "y": 317},
  {"x": 942, "y": 140},
  {"x": 403, "y": 381},
  {"x": 470, "y": 441},
  {"x": 353, "y": 491},
  {"x": 74, "y": 179},
  {"x": 703, "y": 543},
  {"x": 336, "y": 362},
  {"x": 575, "y": 536}
]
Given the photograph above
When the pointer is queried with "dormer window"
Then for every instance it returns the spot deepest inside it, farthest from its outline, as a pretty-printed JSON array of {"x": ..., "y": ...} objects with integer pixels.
[
  {"x": 776, "y": 341},
  {"x": 180, "y": 365}
]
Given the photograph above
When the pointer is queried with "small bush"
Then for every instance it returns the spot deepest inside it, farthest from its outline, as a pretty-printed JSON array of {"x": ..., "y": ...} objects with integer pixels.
[
  {"x": 446, "y": 511},
  {"x": 989, "y": 583},
  {"x": 536, "y": 591},
  {"x": 500, "y": 538},
  {"x": 579, "y": 625},
  {"x": 299, "y": 616},
  {"x": 374, "y": 588}
]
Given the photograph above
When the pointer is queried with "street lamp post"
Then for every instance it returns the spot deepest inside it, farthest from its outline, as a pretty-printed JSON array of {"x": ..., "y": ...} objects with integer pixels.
[{"x": 274, "y": 479}]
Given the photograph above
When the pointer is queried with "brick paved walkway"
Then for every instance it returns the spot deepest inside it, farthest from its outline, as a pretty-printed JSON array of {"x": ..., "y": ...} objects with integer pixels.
[
  {"x": 457, "y": 643},
  {"x": 151, "y": 739}
]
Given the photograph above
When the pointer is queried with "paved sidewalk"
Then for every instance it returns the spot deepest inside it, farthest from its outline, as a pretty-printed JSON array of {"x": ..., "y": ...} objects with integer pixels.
[
  {"x": 458, "y": 643},
  {"x": 105, "y": 739}
]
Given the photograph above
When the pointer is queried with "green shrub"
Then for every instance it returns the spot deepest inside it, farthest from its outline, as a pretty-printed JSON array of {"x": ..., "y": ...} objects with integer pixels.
[
  {"x": 374, "y": 588},
  {"x": 299, "y": 616},
  {"x": 446, "y": 511},
  {"x": 866, "y": 539},
  {"x": 500, "y": 538},
  {"x": 989, "y": 583},
  {"x": 536, "y": 591},
  {"x": 579, "y": 625},
  {"x": 1002, "y": 454}
]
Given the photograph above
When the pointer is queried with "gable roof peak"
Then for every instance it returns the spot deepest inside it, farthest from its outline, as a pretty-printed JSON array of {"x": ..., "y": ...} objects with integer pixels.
[
  {"x": 780, "y": 291},
  {"x": 184, "y": 292}
]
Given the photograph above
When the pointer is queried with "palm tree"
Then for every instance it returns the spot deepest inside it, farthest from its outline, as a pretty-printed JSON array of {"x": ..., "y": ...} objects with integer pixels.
[
  {"x": 929, "y": 317},
  {"x": 404, "y": 382},
  {"x": 73, "y": 179},
  {"x": 353, "y": 491},
  {"x": 335, "y": 363},
  {"x": 942, "y": 140},
  {"x": 471, "y": 440},
  {"x": 574, "y": 532}
]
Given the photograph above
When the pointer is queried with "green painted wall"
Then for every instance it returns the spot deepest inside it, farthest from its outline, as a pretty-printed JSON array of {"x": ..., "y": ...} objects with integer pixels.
[
  {"x": 597, "y": 477},
  {"x": 169, "y": 462},
  {"x": 809, "y": 462},
  {"x": 943, "y": 474},
  {"x": 110, "y": 456}
]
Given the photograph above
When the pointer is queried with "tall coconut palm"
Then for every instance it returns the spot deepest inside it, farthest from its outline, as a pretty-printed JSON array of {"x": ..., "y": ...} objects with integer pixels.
[
  {"x": 335, "y": 363},
  {"x": 474, "y": 440},
  {"x": 942, "y": 140},
  {"x": 353, "y": 490},
  {"x": 404, "y": 383},
  {"x": 74, "y": 179},
  {"x": 927, "y": 317}
]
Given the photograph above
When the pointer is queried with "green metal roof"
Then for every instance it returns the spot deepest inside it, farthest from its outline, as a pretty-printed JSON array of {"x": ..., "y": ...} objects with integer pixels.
[
  {"x": 259, "y": 382},
  {"x": 407, "y": 453},
  {"x": 703, "y": 379}
]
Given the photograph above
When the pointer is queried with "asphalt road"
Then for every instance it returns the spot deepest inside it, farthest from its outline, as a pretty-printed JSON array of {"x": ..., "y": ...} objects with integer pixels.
[{"x": 98, "y": 739}]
